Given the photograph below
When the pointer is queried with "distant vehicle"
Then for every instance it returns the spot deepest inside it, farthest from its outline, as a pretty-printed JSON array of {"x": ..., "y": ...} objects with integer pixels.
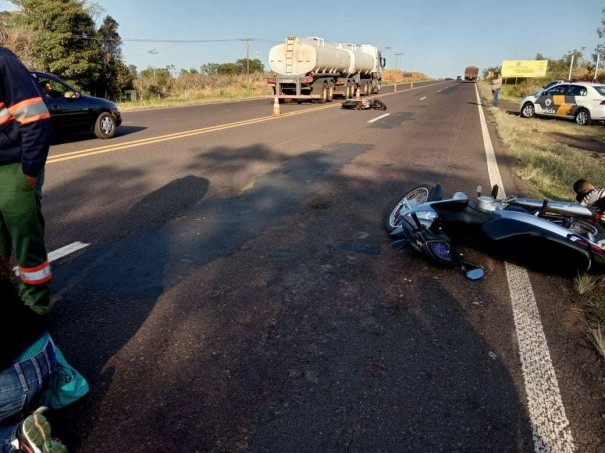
[
  {"x": 311, "y": 69},
  {"x": 581, "y": 101},
  {"x": 471, "y": 73},
  {"x": 458, "y": 78},
  {"x": 72, "y": 111}
]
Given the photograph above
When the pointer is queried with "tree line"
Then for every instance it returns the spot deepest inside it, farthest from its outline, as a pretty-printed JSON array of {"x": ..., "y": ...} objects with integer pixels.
[{"x": 61, "y": 37}]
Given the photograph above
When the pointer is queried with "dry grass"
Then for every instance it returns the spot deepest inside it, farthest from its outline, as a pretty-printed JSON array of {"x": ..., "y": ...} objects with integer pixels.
[
  {"x": 598, "y": 334},
  {"x": 548, "y": 166},
  {"x": 190, "y": 89}
]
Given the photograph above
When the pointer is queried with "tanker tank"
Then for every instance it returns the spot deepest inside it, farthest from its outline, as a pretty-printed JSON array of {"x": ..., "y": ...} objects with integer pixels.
[{"x": 298, "y": 56}]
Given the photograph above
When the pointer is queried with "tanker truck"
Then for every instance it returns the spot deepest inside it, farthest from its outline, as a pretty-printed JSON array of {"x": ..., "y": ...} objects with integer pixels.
[{"x": 310, "y": 69}]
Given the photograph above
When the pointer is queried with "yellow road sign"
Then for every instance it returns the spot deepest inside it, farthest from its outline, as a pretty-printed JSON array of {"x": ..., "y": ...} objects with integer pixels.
[{"x": 524, "y": 68}]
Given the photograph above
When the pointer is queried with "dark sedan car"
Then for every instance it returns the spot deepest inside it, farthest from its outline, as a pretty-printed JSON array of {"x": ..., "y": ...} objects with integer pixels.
[{"x": 72, "y": 111}]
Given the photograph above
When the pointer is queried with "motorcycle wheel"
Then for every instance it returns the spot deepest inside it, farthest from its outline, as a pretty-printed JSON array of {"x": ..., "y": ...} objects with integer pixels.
[{"x": 416, "y": 196}]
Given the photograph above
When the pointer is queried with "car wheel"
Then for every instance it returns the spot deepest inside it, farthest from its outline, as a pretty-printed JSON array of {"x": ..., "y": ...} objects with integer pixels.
[
  {"x": 105, "y": 126},
  {"x": 528, "y": 110},
  {"x": 582, "y": 117}
]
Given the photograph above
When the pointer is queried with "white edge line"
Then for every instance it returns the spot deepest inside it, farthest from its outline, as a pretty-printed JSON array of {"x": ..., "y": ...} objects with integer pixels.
[
  {"x": 60, "y": 253},
  {"x": 422, "y": 99},
  {"x": 379, "y": 118},
  {"x": 549, "y": 423}
]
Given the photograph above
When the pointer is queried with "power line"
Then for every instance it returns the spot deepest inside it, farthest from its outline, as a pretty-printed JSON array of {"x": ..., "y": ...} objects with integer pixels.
[
  {"x": 196, "y": 40},
  {"x": 182, "y": 40}
]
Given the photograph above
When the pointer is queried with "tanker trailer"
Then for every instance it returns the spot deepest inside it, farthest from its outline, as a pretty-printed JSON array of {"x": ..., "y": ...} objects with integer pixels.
[{"x": 310, "y": 69}]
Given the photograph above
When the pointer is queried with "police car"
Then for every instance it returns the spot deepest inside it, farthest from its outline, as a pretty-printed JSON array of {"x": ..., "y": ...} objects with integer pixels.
[{"x": 581, "y": 101}]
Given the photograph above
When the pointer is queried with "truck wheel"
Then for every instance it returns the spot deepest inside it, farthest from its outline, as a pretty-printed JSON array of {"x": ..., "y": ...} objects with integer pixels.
[
  {"x": 366, "y": 89},
  {"x": 324, "y": 95},
  {"x": 330, "y": 92}
]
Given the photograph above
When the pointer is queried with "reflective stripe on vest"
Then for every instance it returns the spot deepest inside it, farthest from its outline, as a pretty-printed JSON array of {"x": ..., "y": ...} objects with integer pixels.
[
  {"x": 36, "y": 275},
  {"x": 5, "y": 115},
  {"x": 30, "y": 110}
]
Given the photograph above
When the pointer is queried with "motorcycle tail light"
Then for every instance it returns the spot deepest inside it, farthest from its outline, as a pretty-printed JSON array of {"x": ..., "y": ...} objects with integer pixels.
[{"x": 441, "y": 250}]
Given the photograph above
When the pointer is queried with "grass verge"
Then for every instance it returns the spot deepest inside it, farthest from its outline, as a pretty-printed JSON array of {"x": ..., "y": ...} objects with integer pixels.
[{"x": 549, "y": 155}]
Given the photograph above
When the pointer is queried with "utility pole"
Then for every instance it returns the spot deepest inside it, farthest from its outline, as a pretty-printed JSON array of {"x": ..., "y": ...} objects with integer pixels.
[
  {"x": 153, "y": 52},
  {"x": 386, "y": 48},
  {"x": 247, "y": 41}
]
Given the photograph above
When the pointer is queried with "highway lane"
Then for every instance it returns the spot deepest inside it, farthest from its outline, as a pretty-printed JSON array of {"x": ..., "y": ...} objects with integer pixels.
[
  {"x": 91, "y": 184},
  {"x": 239, "y": 293}
]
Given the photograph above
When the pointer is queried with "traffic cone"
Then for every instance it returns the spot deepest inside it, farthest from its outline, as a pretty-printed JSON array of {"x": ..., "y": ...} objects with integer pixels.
[
  {"x": 394, "y": 88},
  {"x": 412, "y": 85},
  {"x": 358, "y": 95},
  {"x": 276, "y": 111}
]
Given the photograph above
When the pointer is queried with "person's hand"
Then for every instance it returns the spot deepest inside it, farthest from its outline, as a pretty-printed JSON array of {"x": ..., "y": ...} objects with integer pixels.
[{"x": 32, "y": 181}]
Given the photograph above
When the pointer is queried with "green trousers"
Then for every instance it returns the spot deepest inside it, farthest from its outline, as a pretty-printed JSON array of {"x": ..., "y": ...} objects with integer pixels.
[{"x": 22, "y": 234}]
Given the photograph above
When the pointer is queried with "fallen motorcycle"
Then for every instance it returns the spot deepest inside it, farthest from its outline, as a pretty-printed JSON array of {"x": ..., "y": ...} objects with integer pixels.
[
  {"x": 563, "y": 236},
  {"x": 364, "y": 104}
]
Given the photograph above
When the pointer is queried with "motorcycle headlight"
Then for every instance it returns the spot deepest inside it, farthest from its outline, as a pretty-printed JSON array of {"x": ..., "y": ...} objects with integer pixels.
[{"x": 441, "y": 250}]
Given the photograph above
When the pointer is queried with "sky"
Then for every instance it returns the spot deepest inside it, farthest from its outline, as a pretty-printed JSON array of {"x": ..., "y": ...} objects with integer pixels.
[{"x": 437, "y": 37}]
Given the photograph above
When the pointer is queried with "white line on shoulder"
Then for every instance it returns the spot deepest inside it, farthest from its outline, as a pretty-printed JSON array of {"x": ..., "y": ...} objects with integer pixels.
[{"x": 550, "y": 426}]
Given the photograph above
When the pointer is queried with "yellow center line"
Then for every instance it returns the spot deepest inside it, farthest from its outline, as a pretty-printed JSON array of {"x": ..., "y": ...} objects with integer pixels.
[
  {"x": 163, "y": 138},
  {"x": 177, "y": 135}
]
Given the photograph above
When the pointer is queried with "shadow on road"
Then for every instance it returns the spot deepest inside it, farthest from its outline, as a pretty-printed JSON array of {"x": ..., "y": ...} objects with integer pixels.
[{"x": 277, "y": 318}]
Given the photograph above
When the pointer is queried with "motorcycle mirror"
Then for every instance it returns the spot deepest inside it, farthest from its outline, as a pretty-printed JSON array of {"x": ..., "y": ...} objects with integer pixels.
[
  {"x": 494, "y": 193},
  {"x": 399, "y": 245},
  {"x": 475, "y": 274}
]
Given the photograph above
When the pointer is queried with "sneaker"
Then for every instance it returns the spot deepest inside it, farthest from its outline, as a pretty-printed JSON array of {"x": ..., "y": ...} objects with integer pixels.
[{"x": 34, "y": 435}]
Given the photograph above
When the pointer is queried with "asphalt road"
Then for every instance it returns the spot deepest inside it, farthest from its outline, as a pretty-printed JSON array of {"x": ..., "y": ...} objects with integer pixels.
[{"x": 238, "y": 292}]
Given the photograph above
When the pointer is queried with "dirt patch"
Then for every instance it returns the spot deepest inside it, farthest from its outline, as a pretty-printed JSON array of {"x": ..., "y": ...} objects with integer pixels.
[{"x": 585, "y": 143}]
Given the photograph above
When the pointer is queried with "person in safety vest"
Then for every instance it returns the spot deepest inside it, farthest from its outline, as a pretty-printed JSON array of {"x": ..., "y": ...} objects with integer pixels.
[{"x": 25, "y": 133}]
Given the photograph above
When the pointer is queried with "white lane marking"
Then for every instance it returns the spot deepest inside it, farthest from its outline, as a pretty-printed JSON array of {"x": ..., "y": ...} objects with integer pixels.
[
  {"x": 379, "y": 118},
  {"x": 422, "y": 99},
  {"x": 549, "y": 423},
  {"x": 64, "y": 251},
  {"x": 60, "y": 253}
]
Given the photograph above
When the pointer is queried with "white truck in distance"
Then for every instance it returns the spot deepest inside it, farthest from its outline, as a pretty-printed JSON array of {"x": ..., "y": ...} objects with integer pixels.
[{"x": 310, "y": 69}]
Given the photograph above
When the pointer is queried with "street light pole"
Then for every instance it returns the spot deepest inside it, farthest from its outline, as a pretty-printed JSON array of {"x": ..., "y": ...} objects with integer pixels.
[
  {"x": 397, "y": 59},
  {"x": 386, "y": 48},
  {"x": 153, "y": 52}
]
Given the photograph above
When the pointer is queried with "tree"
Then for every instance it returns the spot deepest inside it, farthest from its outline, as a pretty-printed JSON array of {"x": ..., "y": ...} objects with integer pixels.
[
  {"x": 600, "y": 49},
  {"x": 229, "y": 69},
  {"x": 209, "y": 68},
  {"x": 246, "y": 65},
  {"x": 108, "y": 83},
  {"x": 64, "y": 38}
]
